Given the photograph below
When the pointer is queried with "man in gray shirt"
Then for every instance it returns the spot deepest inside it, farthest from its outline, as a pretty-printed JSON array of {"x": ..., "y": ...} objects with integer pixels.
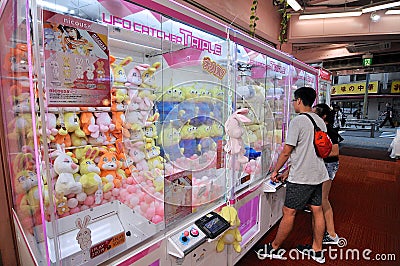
[{"x": 305, "y": 178}]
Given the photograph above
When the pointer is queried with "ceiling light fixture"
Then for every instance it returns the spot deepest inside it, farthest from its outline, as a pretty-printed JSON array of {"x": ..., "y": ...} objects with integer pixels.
[
  {"x": 293, "y": 4},
  {"x": 393, "y": 12},
  {"x": 331, "y": 15},
  {"x": 53, "y": 6},
  {"x": 380, "y": 7}
]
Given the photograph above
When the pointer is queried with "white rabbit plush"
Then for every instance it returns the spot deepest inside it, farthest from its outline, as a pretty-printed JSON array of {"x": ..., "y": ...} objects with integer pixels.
[
  {"x": 65, "y": 167},
  {"x": 79, "y": 68},
  {"x": 90, "y": 70},
  {"x": 84, "y": 236},
  {"x": 56, "y": 70}
]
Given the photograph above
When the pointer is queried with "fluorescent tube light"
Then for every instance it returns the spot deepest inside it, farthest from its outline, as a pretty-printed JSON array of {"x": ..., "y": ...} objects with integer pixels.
[
  {"x": 331, "y": 15},
  {"x": 393, "y": 12},
  {"x": 53, "y": 6},
  {"x": 293, "y": 4},
  {"x": 380, "y": 7}
]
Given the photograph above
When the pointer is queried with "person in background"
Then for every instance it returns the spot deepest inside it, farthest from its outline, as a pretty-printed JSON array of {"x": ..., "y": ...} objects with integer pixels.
[
  {"x": 332, "y": 166},
  {"x": 339, "y": 120},
  {"x": 306, "y": 175},
  {"x": 389, "y": 116},
  {"x": 357, "y": 113}
]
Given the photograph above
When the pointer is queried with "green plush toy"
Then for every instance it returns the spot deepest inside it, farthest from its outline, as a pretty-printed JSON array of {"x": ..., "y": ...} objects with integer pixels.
[{"x": 173, "y": 94}]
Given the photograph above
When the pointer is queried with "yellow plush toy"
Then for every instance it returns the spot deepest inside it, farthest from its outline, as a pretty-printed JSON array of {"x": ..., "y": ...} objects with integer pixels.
[
  {"x": 232, "y": 236},
  {"x": 73, "y": 124}
]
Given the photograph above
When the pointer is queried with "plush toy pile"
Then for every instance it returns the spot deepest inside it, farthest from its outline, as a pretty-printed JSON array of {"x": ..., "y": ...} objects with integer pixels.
[
  {"x": 98, "y": 155},
  {"x": 193, "y": 115}
]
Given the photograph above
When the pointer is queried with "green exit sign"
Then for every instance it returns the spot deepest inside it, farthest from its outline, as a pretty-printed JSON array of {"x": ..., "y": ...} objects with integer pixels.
[{"x": 367, "y": 62}]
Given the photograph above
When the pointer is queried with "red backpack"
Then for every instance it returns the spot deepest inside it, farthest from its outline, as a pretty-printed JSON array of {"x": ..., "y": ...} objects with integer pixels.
[{"x": 322, "y": 142}]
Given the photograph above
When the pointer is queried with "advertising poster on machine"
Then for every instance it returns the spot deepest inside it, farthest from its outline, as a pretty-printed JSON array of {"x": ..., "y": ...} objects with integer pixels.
[
  {"x": 177, "y": 196},
  {"x": 76, "y": 61}
]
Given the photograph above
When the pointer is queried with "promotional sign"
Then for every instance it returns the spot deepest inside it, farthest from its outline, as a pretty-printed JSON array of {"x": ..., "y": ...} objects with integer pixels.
[
  {"x": 213, "y": 68},
  {"x": 107, "y": 245},
  {"x": 395, "y": 88},
  {"x": 178, "y": 196},
  {"x": 354, "y": 88},
  {"x": 324, "y": 74},
  {"x": 76, "y": 62}
]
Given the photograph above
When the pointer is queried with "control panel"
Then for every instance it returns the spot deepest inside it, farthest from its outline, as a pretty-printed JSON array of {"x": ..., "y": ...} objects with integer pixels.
[
  {"x": 185, "y": 241},
  {"x": 270, "y": 186},
  {"x": 212, "y": 224}
]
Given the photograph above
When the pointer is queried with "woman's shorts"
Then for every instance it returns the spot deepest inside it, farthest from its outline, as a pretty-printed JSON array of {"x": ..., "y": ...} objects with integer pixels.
[{"x": 332, "y": 169}]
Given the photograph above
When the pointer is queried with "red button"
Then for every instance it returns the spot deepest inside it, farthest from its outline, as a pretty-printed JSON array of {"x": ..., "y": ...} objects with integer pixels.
[
  {"x": 186, "y": 233},
  {"x": 194, "y": 232}
]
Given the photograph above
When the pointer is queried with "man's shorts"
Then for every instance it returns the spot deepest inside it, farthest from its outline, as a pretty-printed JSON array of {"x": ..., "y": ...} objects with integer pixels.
[{"x": 299, "y": 195}]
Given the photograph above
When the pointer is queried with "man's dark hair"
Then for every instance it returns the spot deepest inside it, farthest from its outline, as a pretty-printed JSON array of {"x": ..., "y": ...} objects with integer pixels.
[{"x": 306, "y": 94}]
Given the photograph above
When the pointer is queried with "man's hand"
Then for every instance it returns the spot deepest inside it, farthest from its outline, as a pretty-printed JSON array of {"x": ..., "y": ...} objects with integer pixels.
[
  {"x": 284, "y": 175},
  {"x": 274, "y": 176}
]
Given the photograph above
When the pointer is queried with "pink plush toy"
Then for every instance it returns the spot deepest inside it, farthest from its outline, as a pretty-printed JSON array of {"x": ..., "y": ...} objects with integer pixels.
[
  {"x": 253, "y": 166},
  {"x": 234, "y": 130},
  {"x": 51, "y": 124},
  {"x": 137, "y": 154},
  {"x": 135, "y": 77},
  {"x": 104, "y": 121}
]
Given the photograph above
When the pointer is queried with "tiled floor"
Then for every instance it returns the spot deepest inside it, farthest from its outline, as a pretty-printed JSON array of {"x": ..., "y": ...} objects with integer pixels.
[{"x": 366, "y": 201}]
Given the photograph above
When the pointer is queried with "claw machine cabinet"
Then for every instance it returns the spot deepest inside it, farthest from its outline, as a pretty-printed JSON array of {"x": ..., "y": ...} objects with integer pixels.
[
  {"x": 301, "y": 75},
  {"x": 277, "y": 86},
  {"x": 250, "y": 93},
  {"x": 192, "y": 106},
  {"x": 78, "y": 94},
  {"x": 261, "y": 82},
  {"x": 18, "y": 116},
  {"x": 278, "y": 83}
]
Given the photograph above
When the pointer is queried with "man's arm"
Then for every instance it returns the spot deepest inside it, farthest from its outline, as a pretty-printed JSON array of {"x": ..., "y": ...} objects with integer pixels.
[{"x": 283, "y": 157}]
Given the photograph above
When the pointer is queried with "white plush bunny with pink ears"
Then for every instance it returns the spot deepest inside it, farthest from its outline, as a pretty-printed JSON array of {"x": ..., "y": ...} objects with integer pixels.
[
  {"x": 135, "y": 76},
  {"x": 235, "y": 131}
]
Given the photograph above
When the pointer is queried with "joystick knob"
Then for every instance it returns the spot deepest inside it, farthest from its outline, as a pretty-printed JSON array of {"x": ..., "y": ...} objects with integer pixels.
[{"x": 184, "y": 239}]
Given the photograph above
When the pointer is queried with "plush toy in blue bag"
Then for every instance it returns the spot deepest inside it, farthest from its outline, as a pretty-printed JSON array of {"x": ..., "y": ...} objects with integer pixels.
[
  {"x": 187, "y": 108},
  {"x": 188, "y": 141},
  {"x": 168, "y": 106},
  {"x": 204, "y": 108}
]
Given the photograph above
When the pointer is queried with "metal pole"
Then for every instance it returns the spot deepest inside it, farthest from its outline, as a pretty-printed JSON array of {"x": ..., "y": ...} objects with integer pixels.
[{"x": 366, "y": 98}]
